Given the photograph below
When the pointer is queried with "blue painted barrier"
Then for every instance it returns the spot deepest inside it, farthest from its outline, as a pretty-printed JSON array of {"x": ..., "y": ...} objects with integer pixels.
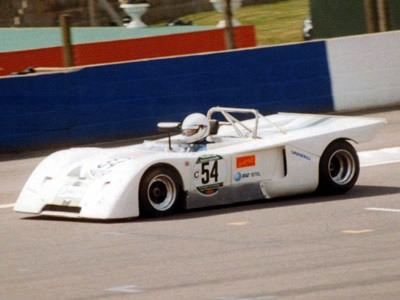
[{"x": 125, "y": 100}]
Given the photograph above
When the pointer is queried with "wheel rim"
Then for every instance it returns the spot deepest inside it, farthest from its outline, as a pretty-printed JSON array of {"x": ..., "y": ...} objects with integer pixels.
[
  {"x": 161, "y": 192},
  {"x": 342, "y": 167}
]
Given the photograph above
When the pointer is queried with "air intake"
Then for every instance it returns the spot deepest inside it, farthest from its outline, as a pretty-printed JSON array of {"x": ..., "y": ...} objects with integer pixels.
[{"x": 61, "y": 209}]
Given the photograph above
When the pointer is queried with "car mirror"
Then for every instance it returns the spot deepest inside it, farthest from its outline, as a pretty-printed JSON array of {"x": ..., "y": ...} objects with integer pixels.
[{"x": 169, "y": 127}]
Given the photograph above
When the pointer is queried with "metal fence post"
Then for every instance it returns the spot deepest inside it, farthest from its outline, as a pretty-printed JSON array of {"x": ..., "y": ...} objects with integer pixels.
[
  {"x": 370, "y": 15},
  {"x": 67, "y": 45},
  {"x": 382, "y": 8},
  {"x": 229, "y": 34},
  {"x": 92, "y": 6}
]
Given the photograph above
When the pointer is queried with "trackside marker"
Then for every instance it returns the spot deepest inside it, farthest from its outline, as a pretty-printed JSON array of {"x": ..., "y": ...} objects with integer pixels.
[
  {"x": 383, "y": 209},
  {"x": 7, "y": 205}
]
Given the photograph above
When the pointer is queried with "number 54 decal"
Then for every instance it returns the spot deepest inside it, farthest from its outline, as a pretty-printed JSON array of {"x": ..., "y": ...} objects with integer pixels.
[{"x": 209, "y": 174}]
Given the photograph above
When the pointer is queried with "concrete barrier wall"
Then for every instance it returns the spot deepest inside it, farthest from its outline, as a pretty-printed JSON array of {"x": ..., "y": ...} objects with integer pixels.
[
  {"x": 125, "y": 49},
  {"x": 124, "y": 100},
  {"x": 365, "y": 70}
]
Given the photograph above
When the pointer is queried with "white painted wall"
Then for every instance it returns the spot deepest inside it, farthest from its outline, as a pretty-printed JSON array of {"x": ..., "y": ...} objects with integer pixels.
[{"x": 365, "y": 70}]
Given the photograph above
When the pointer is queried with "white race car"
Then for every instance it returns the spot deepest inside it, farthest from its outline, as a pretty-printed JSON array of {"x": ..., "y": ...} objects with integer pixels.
[{"x": 235, "y": 161}]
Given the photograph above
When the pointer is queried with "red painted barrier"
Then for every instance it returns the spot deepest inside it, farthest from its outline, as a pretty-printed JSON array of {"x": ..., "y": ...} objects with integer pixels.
[
  {"x": 125, "y": 50},
  {"x": 20, "y": 60}
]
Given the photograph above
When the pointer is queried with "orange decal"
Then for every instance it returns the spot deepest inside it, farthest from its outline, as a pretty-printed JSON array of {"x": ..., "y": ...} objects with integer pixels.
[{"x": 245, "y": 161}]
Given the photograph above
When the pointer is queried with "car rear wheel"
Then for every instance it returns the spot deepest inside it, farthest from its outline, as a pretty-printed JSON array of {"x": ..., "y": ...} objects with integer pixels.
[
  {"x": 339, "y": 168},
  {"x": 159, "y": 192}
]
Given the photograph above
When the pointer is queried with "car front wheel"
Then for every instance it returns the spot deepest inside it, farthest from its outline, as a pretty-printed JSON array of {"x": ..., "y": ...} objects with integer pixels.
[
  {"x": 339, "y": 168},
  {"x": 159, "y": 192}
]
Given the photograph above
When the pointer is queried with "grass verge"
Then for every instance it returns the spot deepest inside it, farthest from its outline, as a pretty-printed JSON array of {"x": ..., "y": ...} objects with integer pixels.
[{"x": 276, "y": 23}]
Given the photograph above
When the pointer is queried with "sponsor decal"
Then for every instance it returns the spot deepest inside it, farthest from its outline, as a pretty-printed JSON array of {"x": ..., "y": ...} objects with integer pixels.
[
  {"x": 294, "y": 152},
  {"x": 69, "y": 196},
  {"x": 245, "y": 161},
  {"x": 210, "y": 189},
  {"x": 209, "y": 174},
  {"x": 70, "y": 192},
  {"x": 238, "y": 176},
  {"x": 208, "y": 158},
  {"x": 252, "y": 175},
  {"x": 105, "y": 168}
]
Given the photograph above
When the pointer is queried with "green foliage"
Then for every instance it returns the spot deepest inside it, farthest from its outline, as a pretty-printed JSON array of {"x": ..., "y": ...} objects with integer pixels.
[{"x": 276, "y": 23}]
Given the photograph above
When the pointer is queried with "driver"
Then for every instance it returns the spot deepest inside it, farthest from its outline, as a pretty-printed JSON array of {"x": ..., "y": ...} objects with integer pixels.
[{"x": 195, "y": 129}]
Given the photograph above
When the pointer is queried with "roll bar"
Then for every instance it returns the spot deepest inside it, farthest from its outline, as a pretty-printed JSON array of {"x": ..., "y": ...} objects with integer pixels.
[
  {"x": 226, "y": 112},
  {"x": 236, "y": 124}
]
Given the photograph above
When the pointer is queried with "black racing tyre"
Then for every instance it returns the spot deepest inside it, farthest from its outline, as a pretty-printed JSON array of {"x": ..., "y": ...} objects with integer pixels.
[
  {"x": 159, "y": 192},
  {"x": 339, "y": 168}
]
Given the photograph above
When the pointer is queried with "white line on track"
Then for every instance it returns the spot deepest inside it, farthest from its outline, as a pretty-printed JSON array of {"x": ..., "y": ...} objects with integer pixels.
[
  {"x": 383, "y": 209},
  {"x": 269, "y": 297},
  {"x": 7, "y": 205},
  {"x": 379, "y": 157},
  {"x": 128, "y": 289}
]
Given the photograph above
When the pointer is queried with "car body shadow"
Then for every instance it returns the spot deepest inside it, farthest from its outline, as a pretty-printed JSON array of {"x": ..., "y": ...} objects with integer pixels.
[{"x": 359, "y": 191}]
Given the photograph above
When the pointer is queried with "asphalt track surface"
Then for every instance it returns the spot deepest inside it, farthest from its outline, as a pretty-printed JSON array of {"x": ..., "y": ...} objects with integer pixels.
[{"x": 302, "y": 247}]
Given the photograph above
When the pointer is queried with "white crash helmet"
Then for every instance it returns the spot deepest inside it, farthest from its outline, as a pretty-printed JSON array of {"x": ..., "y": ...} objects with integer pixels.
[{"x": 195, "y": 128}]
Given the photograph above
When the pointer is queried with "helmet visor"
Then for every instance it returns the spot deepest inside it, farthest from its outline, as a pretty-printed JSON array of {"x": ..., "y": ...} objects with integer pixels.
[{"x": 189, "y": 132}]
